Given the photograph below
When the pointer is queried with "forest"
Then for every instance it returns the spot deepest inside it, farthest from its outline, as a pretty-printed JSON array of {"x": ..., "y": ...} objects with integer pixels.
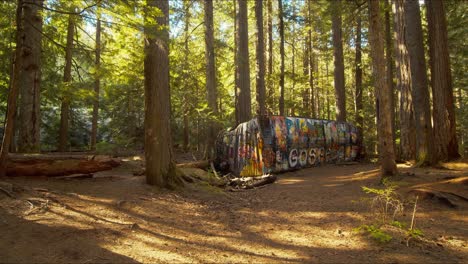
[{"x": 115, "y": 116}]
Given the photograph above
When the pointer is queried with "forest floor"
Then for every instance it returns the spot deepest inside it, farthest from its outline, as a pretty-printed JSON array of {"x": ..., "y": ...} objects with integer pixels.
[{"x": 305, "y": 216}]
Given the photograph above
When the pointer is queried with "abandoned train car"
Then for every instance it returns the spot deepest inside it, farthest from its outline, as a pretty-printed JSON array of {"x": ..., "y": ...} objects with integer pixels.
[{"x": 270, "y": 144}]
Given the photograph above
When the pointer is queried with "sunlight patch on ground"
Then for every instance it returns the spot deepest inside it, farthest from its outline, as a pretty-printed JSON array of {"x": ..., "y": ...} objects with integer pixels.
[
  {"x": 146, "y": 250},
  {"x": 312, "y": 237},
  {"x": 333, "y": 185},
  {"x": 407, "y": 165},
  {"x": 456, "y": 165},
  {"x": 93, "y": 199},
  {"x": 359, "y": 176},
  {"x": 290, "y": 181}
]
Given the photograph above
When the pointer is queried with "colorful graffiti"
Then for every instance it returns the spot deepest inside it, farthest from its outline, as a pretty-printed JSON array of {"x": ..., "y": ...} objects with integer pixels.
[{"x": 278, "y": 143}]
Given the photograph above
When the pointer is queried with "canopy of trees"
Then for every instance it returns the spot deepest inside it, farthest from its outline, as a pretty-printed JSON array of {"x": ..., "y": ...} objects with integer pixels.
[{"x": 75, "y": 73}]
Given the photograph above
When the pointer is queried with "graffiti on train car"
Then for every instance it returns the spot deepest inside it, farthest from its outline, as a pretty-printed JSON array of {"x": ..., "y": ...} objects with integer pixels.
[{"x": 278, "y": 143}]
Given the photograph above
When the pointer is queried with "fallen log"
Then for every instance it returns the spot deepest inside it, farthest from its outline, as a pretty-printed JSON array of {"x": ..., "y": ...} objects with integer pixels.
[
  {"x": 56, "y": 165},
  {"x": 202, "y": 164},
  {"x": 252, "y": 182}
]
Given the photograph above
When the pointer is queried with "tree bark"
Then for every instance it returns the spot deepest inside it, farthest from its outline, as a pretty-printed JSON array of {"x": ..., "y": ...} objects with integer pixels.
[
  {"x": 281, "y": 30},
  {"x": 30, "y": 79},
  {"x": 186, "y": 106},
  {"x": 403, "y": 74},
  {"x": 243, "y": 69},
  {"x": 65, "y": 105},
  {"x": 271, "y": 91},
  {"x": 445, "y": 137},
  {"x": 211, "y": 91},
  {"x": 43, "y": 165},
  {"x": 338, "y": 62},
  {"x": 387, "y": 153},
  {"x": 236, "y": 75},
  {"x": 305, "y": 73},
  {"x": 160, "y": 166},
  {"x": 310, "y": 60},
  {"x": 13, "y": 93},
  {"x": 260, "y": 54},
  {"x": 327, "y": 90},
  {"x": 358, "y": 79},
  {"x": 389, "y": 67},
  {"x": 97, "y": 84},
  {"x": 420, "y": 92}
]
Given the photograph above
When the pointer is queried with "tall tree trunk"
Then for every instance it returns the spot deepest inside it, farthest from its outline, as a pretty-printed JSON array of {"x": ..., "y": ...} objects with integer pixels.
[
  {"x": 445, "y": 136},
  {"x": 281, "y": 30},
  {"x": 387, "y": 154},
  {"x": 358, "y": 79},
  {"x": 420, "y": 92},
  {"x": 30, "y": 79},
  {"x": 160, "y": 166},
  {"x": 260, "y": 58},
  {"x": 338, "y": 61},
  {"x": 293, "y": 57},
  {"x": 328, "y": 91},
  {"x": 271, "y": 91},
  {"x": 14, "y": 89},
  {"x": 211, "y": 91},
  {"x": 97, "y": 84},
  {"x": 65, "y": 107},
  {"x": 305, "y": 71},
  {"x": 311, "y": 59},
  {"x": 236, "y": 75},
  {"x": 403, "y": 74},
  {"x": 318, "y": 89},
  {"x": 389, "y": 67},
  {"x": 243, "y": 71},
  {"x": 186, "y": 106}
]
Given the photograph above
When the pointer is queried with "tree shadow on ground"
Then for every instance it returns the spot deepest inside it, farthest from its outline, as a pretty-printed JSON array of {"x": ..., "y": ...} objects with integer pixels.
[
  {"x": 31, "y": 242},
  {"x": 306, "y": 217}
]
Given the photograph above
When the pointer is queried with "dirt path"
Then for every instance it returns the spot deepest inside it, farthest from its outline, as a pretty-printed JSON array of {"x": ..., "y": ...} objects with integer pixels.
[{"x": 306, "y": 216}]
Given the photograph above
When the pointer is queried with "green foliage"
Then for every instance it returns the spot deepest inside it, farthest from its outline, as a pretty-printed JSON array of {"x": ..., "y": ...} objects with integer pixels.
[
  {"x": 414, "y": 233},
  {"x": 121, "y": 116},
  {"x": 398, "y": 224},
  {"x": 375, "y": 232},
  {"x": 385, "y": 203}
]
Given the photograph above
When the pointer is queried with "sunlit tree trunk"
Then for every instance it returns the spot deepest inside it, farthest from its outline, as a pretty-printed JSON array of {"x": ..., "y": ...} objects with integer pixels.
[
  {"x": 13, "y": 92},
  {"x": 243, "y": 68},
  {"x": 327, "y": 94},
  {"x": 211, "y": 90},
  {"x": 403, "y": 74},
  {"x": 97, "y": 84},
  {"x": 236, "y": 75},
  {"x": 160, "y": 166},
  {"x": 338, "y": 61},
  {"x": 65, "y": 105},
  {"x": 358, "y": 79},
  {"x": 30, "y": 79},
  {"x": 384, "y": 126},
  {"x": 305, "y": 73},
  {"x": 445, "y": 137},
  {"x": 310, "y": 60},
  {"x": 281, "y": 31},
  {"x": 186, "y": 106},
  {"x": 260, "y": 54},
  {"x": 271, "y": 91},
  {"x": 420, "y": 91}
]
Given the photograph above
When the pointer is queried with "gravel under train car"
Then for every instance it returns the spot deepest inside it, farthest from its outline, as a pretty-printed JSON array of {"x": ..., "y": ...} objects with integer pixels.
[{"x": 270, "y": 144}]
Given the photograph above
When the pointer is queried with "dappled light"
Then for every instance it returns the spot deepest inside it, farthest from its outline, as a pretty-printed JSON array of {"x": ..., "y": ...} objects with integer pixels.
[
  {"x": 295, "y": 219},
  {"x": 242, "y": 131}
]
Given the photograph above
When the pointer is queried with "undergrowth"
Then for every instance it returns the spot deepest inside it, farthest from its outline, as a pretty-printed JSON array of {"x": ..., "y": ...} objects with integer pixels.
[{"x": 385, "y": 206}]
